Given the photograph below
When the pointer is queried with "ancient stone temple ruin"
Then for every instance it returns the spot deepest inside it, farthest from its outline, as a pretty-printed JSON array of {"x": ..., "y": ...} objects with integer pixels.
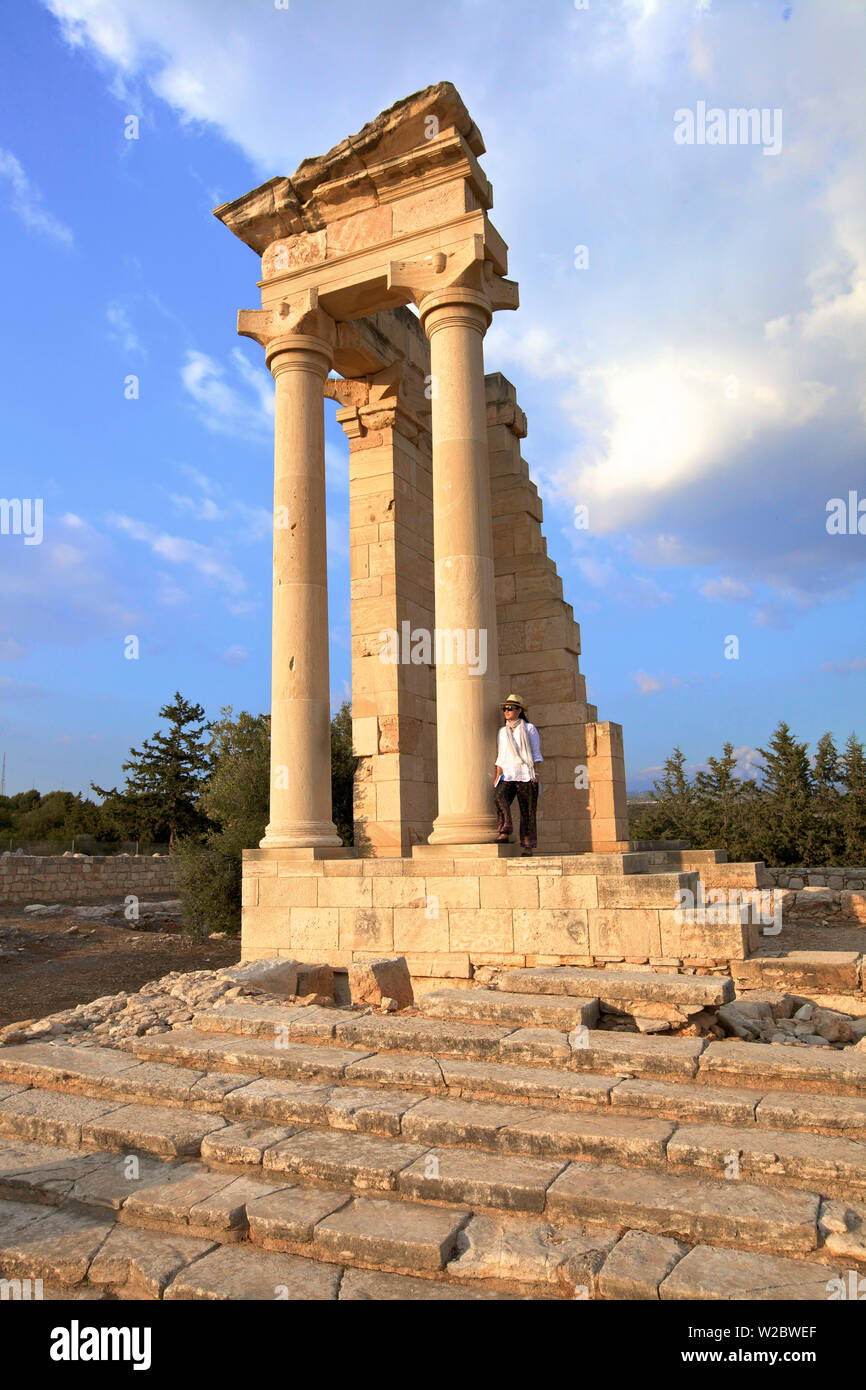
[{"x": 454, "y": 600}]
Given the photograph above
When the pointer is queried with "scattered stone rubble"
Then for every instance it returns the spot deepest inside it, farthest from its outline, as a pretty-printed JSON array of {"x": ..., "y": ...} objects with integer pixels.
[{"x": 171, "y": 1001}]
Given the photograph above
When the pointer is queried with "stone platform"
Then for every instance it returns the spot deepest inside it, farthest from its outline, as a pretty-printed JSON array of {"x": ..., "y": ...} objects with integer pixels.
[{"x": 453, "y": 909}]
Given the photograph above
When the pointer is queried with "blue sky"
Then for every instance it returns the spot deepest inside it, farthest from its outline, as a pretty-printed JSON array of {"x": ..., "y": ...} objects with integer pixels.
[{"x": 698, "y": 386}]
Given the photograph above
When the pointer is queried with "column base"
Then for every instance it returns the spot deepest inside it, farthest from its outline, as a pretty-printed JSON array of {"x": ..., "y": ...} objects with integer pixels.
[
  {"x": 302, "y": 835},
  {"x": 485, "y": 850},
  {"x": 464, "y": 830}
]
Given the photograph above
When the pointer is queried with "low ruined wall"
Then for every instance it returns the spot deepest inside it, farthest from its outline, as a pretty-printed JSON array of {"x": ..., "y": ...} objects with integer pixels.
[
  {"x": 837, "y": 877},
  {"x": 36, "y": 878},
  {"x": 820, "y": 895}
]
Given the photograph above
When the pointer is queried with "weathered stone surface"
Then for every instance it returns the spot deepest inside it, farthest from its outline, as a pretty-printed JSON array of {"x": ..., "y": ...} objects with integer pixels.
[
  {"x": 48, "y": 1117},
  {"x": 536, "y": 1045},
  {"x": 302, "y": 1102},
  {"x": 617, "y": 1137},
  {"x": 635, "y": 1055},
  {"x": 709, "y": 1273},
  {"x": 368, "y": 1110},
  {"x": 371, "y": 981},
  {"x": 392, "y": 1032},
  {"x": 55, "y": 1063},
  {"x": 290, "y": 1214},
  {"x": 57, "y": 1244},
  {"x": 617, "y": 986},
  {"x": 397, "y": 1069},
  {"x": 505, "y": 1080},
  {"x": 238, "y": 1273},
  {"x": 804, "y": 1110},
  {"x": 637, "y": 1265},
  {"x": 772, "y": 1067},
  {"x": 686, "y": 1208},
  {"x": 274, "y": 976},
  {"x": 169, "y": 1201},
  {"x": 224, "y": 1210},
  {"x": 435, "y": 1121},
  {"x": 398, "y": 1234},
  {"x": 243, "y": 1143},
  {"x": 827, "y": 1164},
  {"x": 843, "y": 1227},
  {"x": 43, "y": 1172},
  {"x": 154, "y": 1129},
  {"x": 143, "y": 1263},
  {"x": 357, "y": 1160},
  {"x": 454, "y": 1175},
  {"x": 686, "y": 1100},
  {"x": 530, "y": 1252},
  {"x": 360, "y": 1285},
  {"x": 497, "y": 1006}
]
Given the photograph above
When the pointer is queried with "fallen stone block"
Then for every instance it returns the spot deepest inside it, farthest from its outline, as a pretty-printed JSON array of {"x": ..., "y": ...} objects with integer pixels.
[{"x": 371, "y": 981}]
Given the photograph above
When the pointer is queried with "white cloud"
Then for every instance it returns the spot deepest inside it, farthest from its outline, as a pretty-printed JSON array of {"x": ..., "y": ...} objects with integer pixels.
[
  {"x": 220, "y": 405},
  {"x": 725, "y": 588},
  {"x": 121, "y": 328},
  {"x": 26, "y": 202},
  {"x": 646, "y": 684},
  {"x": 234, "y": 656},
  {"x": 204, "y": 560}
]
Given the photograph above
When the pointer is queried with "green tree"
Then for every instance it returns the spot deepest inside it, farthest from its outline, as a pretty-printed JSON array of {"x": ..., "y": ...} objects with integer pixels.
[
  {"x": 343, "y": 765},
  {"x": 236, "y": 800},
  {"x": 852, "y": 775},
  {"x": 717, "y": 796},
  {"x": 165, "y": 777},
  {"x": 786, "y": 793},
  {"x": 828, "y": 838}
]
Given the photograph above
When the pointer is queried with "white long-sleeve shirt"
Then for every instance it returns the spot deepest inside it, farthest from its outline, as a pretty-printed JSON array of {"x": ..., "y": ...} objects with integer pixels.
[{"x": 513, "y": 770}]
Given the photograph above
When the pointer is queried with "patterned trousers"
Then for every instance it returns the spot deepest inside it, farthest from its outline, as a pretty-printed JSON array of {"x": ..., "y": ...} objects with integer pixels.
[{"x": 527, "y": 800}]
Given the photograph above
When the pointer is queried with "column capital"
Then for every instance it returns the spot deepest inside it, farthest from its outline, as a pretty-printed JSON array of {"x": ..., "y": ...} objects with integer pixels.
[
  {"x": 297, "y": 324},
  {"x": 461, "y": 275}
]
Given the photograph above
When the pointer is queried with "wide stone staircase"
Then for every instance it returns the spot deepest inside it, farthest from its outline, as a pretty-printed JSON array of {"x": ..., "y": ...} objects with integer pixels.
[{"x": 495, "y": 1143}]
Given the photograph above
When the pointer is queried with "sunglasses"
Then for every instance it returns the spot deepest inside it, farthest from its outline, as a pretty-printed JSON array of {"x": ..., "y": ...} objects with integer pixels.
[{"x": 508, "y": 707}]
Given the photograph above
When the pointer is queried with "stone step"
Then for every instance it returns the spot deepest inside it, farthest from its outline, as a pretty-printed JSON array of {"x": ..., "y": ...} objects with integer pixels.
[
  {"x": 77, "y": 1121},
  {"x": 356, "y": 1100},
  {"x": 686, "y": 1208},
  {"x": 620, "y": 987},
  {"x": 812, "y": 973},
  {"x": 497, "y": 1006},
  {"x": 778, "y": 1067},
  {"x": 833, "y": 1166}
]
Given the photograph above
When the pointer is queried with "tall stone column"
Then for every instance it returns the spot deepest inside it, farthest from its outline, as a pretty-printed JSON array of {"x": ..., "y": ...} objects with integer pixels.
[
  {"x": 467, "y": 689},
  {"x": 300, "y": 796}
]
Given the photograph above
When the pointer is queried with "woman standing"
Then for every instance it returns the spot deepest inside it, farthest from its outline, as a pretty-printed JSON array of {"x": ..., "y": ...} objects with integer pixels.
[{"x": 518, "y": 750}]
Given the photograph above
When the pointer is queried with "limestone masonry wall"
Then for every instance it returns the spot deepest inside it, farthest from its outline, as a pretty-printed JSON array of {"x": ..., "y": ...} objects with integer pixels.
[{"x": 35, "y": 878}]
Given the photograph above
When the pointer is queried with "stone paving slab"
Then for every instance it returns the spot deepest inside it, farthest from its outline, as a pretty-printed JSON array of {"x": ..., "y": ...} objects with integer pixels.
[
  {"x": 155, "y": 1129},
  {"x": 357, "y": 1160},
  {"x": 259, "y": 1055},
  {"x": 268, "y": 1098},
  {"x": 49, "y": 1117},
  {"x": 730, "y": 1275},
  {"x": 506, "y": 1080},
  {"x": 621, "y": 986},
  {"x": 239, "y": 1272},
  {"x": 825, "y": 1164},
  {"x": 638, "y": 1055},
  {"x": 619, "y": 1138},
  {"x": 435, "y": 1121},
  {"x": 143, "y": 1263},
  {"x": 57, "y": 1063},
  {"x": 369, "y": 1110},
  {"x": 531, "y": 1252},
  {"x": 532, "y": 1045},
  {"x": 397, "y": 1069},
  {"x": 245, "y": 1143},
  {"x": 396, "y": 1033},
  {"x": 399, "y": 1234},
  {"x": 802, "y": 1110},
  {"x": 58, "y": 1245},
  {"x": 290, "y": 1214},
  {"x": 170, "y": 1200},
  {"x": 270, "y": 1020},
  {"x": 497, "y": 1006},
  {"x": 686, "y": 1100},
  {"x": 773, "y": 1068},
  {"x": 487, "y": 1180},
  {"x": 225, "y": 1210},
  {"x": 638, "y": 1264},
  {"x": 45, "y": 1172},
  {"x": 361, "y": 1285},
  {"x": 686, "y": 1208}
]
